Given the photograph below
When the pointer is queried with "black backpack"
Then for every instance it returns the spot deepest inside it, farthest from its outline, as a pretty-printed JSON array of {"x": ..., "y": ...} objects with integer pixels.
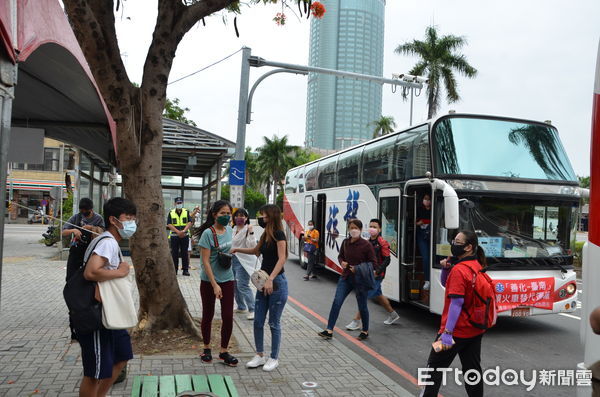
[{"x": 85, "y": 311}]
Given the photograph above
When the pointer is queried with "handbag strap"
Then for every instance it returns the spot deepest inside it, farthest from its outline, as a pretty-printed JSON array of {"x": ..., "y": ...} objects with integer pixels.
[
  {"x": 215, "y": 238},
  {"x": 90, "y": 250}
]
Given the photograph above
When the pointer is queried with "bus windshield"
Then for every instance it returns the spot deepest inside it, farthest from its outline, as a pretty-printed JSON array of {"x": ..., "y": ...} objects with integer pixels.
[
  {"x": 499, "y": 148},
  {"x": 522, "y": 231}
]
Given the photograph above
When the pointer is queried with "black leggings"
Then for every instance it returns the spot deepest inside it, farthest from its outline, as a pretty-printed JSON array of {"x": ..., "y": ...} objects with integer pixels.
[{"x": 469, "y": 351}]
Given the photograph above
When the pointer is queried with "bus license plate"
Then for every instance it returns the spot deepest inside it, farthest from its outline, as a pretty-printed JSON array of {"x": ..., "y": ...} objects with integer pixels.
[{"x": 521, "y": 312}]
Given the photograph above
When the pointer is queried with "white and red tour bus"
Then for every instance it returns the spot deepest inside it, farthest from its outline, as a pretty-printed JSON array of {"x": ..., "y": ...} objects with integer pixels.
[{"x": 509, "y": 180}]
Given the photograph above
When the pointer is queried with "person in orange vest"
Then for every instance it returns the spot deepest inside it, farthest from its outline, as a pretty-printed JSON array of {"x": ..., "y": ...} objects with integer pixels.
[
  {"x": 179, "y": 222},
  {"x": 311, "y": 245}
]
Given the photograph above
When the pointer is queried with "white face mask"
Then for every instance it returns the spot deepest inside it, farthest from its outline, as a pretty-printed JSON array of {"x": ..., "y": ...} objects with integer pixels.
[
  {"x": 179, "y": 206},
  {"x": 354, "y": 233},
  {"x": 129, "y": 229},
  {"x": 310, "y": 227}
]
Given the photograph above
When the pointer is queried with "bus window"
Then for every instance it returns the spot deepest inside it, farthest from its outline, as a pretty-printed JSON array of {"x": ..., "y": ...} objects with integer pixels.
[
  {"x": 291, "y": 182},
  {"x": 377, "y": 162},
  {"x": 347, "y": 167},
  {"x": 421, "y": 159},
  {"x": 326, "y": 173},
  {"x": 310, "y": 176},
  {"x": 300, "y": 179},
  {"x": 404, "y": 147}
]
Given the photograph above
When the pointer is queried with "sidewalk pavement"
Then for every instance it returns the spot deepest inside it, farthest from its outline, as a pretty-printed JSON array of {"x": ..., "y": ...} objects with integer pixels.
[{"x": 36, "y": 357}]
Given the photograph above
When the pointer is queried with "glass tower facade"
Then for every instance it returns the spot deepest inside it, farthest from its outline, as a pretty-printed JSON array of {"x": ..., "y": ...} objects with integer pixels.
[{"x": 349, "y": 37}]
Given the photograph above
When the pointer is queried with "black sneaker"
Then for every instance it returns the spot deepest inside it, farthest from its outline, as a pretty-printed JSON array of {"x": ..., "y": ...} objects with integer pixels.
[
  {"x": 362, "y": 336},
  {"x": 186, "y": 273},
  {"x": 326, "y": 334},
  {"x": 228, "y": 359}
]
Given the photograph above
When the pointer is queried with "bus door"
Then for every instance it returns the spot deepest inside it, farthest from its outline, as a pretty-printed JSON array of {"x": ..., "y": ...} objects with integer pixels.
[
  {"x": 413, "y": 270},
  {"x": 320, "y": 223},
  {"x": 309, "y": 205},
  {"x": 389, "y": 210}
]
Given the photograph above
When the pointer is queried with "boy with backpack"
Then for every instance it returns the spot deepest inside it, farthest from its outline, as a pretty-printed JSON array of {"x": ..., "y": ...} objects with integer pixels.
[
  {"x": 104, "y": 352},
  {"x": 469, "y": 310}
]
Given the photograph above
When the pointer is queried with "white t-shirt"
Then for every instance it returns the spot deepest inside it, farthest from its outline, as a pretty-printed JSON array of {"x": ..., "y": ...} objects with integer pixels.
[{"x": 108, "y": 248}]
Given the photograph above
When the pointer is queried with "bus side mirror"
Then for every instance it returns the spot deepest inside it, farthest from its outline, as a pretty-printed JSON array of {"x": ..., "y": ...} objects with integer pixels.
[{"x": 451, "y": 212}]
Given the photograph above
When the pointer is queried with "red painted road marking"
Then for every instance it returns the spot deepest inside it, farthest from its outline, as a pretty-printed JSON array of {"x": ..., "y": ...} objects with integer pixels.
[{"x": 360, "y": 345}]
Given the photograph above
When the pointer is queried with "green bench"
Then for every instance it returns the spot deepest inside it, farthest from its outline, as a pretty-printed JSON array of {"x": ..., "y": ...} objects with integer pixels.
[{"x": 170, "y": 386}]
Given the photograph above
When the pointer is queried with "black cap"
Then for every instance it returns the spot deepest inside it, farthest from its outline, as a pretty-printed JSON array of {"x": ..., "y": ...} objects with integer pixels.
[{"x": 178, "y": 200}]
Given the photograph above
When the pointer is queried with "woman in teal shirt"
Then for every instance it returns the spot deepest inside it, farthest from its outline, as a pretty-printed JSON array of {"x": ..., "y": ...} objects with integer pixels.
[{"x": 217, "y": 282}]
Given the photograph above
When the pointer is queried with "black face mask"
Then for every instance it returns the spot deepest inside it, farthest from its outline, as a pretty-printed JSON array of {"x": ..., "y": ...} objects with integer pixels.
[
  {"x": 457, "y": 250},
  {"x": 86, "y": 213},
  {"x": 261, "y": 222}
]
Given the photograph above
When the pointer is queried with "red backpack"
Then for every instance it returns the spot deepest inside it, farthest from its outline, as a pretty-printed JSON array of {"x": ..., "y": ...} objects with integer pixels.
[{"x": 483, "y": 310}]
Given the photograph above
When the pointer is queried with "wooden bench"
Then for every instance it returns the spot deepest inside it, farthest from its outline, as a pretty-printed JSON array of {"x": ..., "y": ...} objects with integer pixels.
[{"x": 170, "y": 386}]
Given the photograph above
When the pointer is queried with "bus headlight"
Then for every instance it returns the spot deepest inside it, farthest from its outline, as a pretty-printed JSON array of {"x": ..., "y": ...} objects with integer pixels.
[{"x": 571, "y": 289}]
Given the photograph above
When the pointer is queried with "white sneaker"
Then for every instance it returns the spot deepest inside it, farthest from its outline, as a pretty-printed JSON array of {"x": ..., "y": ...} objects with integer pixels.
[
  {"x": 250, "y": 316},
  {"x": 256, "y": 362},
  {"x": 426, "y": 286},
  {"x": 354, "y": 325},
  {"x": 392, "y": 318},
  {"x": 241, "y": 311},
  {"x": 271, "y": 364}
]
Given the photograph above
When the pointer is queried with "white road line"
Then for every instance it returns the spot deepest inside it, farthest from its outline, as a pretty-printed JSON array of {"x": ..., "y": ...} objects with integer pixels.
[{"x": 570, "y": 316}]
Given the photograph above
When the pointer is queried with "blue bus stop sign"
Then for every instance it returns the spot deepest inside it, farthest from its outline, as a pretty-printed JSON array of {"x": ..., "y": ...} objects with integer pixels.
[{"x": 237, "y": 172}]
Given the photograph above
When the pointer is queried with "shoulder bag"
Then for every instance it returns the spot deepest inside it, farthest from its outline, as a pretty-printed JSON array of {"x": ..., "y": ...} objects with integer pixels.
[
  {"x": 259, "y": 277},
  {"x": 118, "y": 309},
  {"x": 223, "y": 258}
]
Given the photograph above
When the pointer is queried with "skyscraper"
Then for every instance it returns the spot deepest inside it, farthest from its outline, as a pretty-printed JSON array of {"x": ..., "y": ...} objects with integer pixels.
[{"x": 349, "y": 37}]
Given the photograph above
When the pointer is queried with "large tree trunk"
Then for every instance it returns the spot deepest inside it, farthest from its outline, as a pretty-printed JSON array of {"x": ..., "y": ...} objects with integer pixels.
[{"x": 138, "y": 114}]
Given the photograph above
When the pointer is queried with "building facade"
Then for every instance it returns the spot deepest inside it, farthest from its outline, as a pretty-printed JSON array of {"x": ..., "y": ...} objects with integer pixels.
[{"x": 349, "y": 38}]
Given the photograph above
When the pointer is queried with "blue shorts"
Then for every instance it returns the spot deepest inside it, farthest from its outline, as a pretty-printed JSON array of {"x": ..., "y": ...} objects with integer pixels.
[
  {"x": 102, "y": 349},
  {"x": 376, "y": 291}
]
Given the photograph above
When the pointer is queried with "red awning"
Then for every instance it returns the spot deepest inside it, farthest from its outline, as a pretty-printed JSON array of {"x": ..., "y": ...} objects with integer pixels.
[{"x": 56, "y": 90}]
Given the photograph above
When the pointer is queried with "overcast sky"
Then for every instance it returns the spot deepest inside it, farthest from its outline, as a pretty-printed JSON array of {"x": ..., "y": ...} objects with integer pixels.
[{"x": 536, "y": 60}]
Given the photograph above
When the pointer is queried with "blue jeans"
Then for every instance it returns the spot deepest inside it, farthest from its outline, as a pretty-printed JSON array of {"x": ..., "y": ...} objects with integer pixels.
[
  {"x": 344, "y": 287},
  {"x": 243, "y": 293},
  {"x": 274, "y": 304},
  {"x": 423, "y": 244}
]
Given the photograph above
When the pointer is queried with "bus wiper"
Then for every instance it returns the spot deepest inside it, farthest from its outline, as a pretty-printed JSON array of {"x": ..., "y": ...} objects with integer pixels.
[{"x": 562, "y": 268}]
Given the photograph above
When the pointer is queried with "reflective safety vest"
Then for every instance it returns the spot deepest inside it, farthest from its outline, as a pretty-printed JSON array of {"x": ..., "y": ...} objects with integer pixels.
[{"x": 178, "y": 220}]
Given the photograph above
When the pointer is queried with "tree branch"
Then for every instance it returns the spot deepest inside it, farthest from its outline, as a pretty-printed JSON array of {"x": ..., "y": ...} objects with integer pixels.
[
  {"x": 199, "y": 10},
  {"x": 93, "y": 22}
]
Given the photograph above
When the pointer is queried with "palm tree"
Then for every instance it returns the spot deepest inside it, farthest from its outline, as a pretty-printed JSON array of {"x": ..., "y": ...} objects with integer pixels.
[
  {"x": 383, "y": 126},
  {"x": 275, "y": 157},
  {"x": 438, "y": 61}
]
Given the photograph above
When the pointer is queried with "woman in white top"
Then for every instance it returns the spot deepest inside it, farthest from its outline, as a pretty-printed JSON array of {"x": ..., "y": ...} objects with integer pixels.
[{"x": 243, "y": 264}]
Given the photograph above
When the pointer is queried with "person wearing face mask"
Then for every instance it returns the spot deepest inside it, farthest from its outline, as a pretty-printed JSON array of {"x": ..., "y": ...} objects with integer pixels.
[
  {"x": 423, "y": 226},
  {"x": 243, "y": 264},
  {"x": 82, "y": 228},
  {"x": 217, "y": 281},
  {"x": 179, "y": 222},
  {"x": 382, "y": 256},
  {"x": 353, "y": 251},
  {"x": 311, "y": 245},
  {"x": 457, "y": 334},
  {"x": 104, "y": 353},
  {"x": 272, "y": 298}
]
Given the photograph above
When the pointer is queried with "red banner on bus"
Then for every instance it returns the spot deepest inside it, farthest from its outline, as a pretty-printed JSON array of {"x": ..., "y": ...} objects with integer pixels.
[{"x": 535, "y": 292}]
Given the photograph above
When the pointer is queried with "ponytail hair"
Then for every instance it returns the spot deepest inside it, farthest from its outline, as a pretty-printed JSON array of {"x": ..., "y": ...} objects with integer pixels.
[
  {"x": 471, "y": 238},
  {"x": 210, "y": 217}
]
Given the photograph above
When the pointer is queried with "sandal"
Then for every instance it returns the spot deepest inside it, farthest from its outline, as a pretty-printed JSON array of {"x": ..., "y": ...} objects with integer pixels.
[
  {"x": 362, "y": 336},
  {"x": 326, "y": 335},
  {"x": 228, "y": 359},
  {"x": 206, "y": 356}
]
